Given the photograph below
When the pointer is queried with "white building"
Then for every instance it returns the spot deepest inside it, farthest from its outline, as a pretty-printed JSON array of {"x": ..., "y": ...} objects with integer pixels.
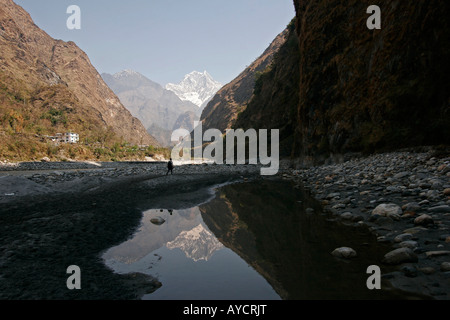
[{"x": 70, "y": 137}]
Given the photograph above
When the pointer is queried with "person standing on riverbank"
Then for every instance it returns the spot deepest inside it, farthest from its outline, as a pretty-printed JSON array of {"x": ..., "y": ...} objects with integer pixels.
[{"x": 169, "y": 167}]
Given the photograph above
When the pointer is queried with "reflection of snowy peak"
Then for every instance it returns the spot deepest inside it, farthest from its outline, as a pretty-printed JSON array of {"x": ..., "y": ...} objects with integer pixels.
[
  {"x": 197, "y": 244},
  {"x": 196, "y": 87}
]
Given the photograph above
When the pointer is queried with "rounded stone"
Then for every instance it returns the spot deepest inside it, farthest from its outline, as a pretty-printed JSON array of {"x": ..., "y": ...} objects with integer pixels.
[
  {"x": 423, "y": 220},
  {"x": 411, "y": 207},
  {"x": 445, "y": 266},
  {"x": 403, "y": 237},
  {"x": 157, "y": 220},
  {"x": 409, "y": 271},
  {"x": 344, "y": 252},
  {"x": 388, "y": 210},
  {"x": 399, "y": 256},
  {"x": 409, "y": 244},
  {"x": 427, "y": 270}
]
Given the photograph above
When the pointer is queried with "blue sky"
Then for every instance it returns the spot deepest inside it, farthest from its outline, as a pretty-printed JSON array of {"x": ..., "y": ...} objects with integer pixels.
[{"x": 166, "y": 39}]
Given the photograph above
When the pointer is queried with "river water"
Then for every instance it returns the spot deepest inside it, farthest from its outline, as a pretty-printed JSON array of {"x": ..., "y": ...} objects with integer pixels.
[
  {"x": 225, "y": 239},
  {"x": 253, "y": 240},
  {"x": 188, "y": 259}
]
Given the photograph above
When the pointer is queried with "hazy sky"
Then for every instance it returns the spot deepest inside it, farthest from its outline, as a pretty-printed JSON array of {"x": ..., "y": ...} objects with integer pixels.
[{"x": 166, "y": 39}]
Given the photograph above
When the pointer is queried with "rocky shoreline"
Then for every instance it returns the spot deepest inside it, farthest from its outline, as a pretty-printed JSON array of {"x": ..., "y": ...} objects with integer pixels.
[{"x": 404, "y": 198}]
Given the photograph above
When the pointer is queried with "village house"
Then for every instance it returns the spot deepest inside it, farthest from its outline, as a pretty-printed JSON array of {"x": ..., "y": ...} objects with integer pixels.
[{"x": 68, "y": 137}]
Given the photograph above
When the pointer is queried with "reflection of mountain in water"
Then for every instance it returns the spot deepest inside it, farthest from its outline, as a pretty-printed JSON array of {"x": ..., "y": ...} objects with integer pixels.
[
  {"x": 197, "y": 244},
  {"x": 150, "y": 237}
]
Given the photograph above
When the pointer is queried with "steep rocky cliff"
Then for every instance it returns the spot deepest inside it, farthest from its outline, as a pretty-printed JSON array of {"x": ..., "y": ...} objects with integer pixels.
[
  {"x": 49, "y": 85},
  {"x": 368, "y": 90},
  {"x": 358, "y": 90},
  {"x": 221, "y": 112},
  {"x": 275, "y": 94}
]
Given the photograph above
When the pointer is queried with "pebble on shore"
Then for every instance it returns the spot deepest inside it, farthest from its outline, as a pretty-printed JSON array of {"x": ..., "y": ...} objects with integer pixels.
[
  {"x": 157, "y": 220},
  {"x": 399, "y": 256},
  {"x": 423, "y": 220},
  {"x": 390, "y": 210},
  {"x": 344, "y": 252},
  {"x": 445, "y": 266}
]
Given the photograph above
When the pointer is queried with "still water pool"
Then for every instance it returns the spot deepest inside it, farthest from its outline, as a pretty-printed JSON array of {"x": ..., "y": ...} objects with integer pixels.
[
  {"x": 254, "y": 240},
  {"x": 188, "y": 259}
]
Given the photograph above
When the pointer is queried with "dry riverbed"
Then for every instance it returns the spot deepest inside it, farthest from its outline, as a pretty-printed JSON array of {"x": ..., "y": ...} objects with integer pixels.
[
  {"x": 34, "y": 179},
  {"x": 50, "y": 220},
  {"x": 402, "y": 197}
]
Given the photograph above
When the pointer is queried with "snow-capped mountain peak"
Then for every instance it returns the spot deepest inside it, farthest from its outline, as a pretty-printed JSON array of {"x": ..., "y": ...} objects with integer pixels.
[{"x": 196, "y": 87}]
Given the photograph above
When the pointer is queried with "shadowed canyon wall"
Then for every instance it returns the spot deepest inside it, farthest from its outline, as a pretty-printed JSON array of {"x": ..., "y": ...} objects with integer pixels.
[{"x": 344, "y": 88}]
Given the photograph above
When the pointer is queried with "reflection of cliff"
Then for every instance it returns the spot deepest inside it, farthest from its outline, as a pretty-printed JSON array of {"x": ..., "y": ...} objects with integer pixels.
[
  {"x": 197, "y": 244},
  {"x": 222, "y": 216},
  {"x": 266, "y": 225}
]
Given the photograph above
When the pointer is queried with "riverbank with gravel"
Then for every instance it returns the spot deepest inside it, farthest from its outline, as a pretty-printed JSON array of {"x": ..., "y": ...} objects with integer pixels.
[
  {"x": 18, "y": 180},
  {"x": 404, "y": 198},
  {"x": 57, "y": 219}
]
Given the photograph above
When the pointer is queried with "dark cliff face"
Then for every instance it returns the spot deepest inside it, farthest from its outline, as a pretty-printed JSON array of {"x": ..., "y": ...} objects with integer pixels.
[
  {"x": 275, "y": 94},
  {"x": 221, "y": 112},
  {"x": 369, "y": 90},
  {"x": 340, "y": 87}
]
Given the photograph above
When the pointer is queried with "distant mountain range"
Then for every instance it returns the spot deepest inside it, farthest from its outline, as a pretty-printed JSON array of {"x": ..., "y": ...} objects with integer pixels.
[
  {"x": 161, "y": 110},
  {"x": 157, "y": 108}
]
